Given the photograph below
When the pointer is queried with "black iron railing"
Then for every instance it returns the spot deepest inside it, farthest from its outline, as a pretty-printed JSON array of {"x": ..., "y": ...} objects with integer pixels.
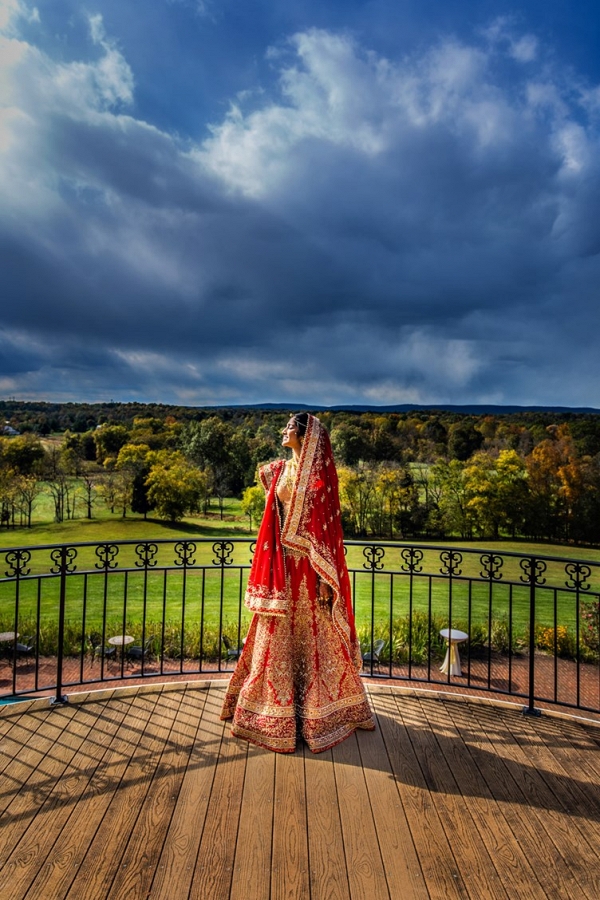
[{"x": 79, "y": 614}]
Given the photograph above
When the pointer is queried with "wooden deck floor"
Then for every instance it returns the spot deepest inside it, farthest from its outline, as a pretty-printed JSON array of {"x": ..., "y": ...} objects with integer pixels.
[{"x": 141, "y": 793}]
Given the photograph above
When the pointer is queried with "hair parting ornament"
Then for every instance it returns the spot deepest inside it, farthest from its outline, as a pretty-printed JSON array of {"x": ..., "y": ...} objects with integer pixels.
[{"x": 301, "y": 420}]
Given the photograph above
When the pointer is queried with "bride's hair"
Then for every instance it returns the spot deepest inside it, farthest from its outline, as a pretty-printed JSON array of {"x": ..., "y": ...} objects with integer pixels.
[{"x": 301, "y": 420}]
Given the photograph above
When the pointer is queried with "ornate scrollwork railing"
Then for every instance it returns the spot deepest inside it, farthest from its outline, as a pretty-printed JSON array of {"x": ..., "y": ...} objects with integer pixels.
[
  {"x": 491, "y": 566},
  {"x": 64, "y": 560},
  {"x": 373, "y": 555},
  {"x": 223, "y": 551},
  {"x": 404, "y": 594},
  {"x": 17, "y": 562},
  {"x": 185, "y": 553},
  {"x": 533, "y": 569},
  {"x": 107, "y": 556},
  {"x": 146, "y": 553},
  {"x": 412, "y": 560},
  {"x": 451, "y": 560}
]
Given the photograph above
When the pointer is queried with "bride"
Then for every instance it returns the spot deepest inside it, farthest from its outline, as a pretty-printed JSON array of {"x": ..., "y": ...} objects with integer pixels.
[{"x": 298, "y": 671}]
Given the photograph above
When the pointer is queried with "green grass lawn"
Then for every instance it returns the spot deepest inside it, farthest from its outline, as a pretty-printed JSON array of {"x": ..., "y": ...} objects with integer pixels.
[
  {"x": 158, "y": 596},
  {"x": 107, "y": 526}
]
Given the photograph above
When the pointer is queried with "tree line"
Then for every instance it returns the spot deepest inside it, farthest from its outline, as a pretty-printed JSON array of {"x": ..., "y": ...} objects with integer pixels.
[{"x": 402, "y": 475}]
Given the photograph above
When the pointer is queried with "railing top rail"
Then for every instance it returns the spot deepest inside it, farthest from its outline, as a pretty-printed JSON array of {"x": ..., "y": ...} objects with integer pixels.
[
  {"x": 462, "y": 549},
  {"x": 128, "y": 542},
  {"x": 239, "y": 539}
]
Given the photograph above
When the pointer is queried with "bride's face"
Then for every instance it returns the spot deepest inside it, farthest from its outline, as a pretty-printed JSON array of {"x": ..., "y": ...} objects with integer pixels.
[{"x": 290, "y": 436}]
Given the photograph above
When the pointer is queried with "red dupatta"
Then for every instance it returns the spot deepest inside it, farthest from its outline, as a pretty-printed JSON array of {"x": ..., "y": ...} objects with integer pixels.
[
  {"x": 266, "y": 591},
  {"x": 312, "y": 526}
]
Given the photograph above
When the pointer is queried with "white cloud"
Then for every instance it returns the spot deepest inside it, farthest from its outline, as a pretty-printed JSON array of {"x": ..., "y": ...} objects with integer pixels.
[
  {"x": 524, "y": 49},
  {"x": 503, "y": 32},
  {"x": 10, "y": 10}
]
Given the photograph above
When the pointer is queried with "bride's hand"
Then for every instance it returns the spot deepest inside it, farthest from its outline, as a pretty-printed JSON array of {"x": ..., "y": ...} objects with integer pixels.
[{"x": 325, "y": 592}]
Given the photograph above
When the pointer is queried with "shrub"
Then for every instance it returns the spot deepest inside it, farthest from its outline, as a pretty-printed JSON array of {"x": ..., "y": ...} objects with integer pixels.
[
  {"x": 75, "y": 641},
  {"x": 589, "y": 617},
  {"x": 559, "y": 640}
]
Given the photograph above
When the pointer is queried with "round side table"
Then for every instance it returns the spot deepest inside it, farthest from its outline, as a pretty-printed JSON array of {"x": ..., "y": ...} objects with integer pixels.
[{"x": 451, "y": 664}]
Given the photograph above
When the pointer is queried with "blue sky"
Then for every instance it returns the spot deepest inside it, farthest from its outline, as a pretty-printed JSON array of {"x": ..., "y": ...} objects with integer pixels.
[{"x": 235, "y": 201}]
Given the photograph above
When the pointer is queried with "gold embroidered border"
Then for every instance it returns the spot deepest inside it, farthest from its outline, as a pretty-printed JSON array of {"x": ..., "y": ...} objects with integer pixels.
[
  {"x": 262, "y": 601},
  {"x": 290, "y": 537},
  {"x": 264, "y": 740},
  {"x": 262, "y": 708},
  {"x": 321, "y": 712}
]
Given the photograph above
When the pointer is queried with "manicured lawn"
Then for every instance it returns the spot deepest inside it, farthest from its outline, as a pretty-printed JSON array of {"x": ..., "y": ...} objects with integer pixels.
[
  {"x": 107, "y": 526},
  {"x": 118, "y": 596}
]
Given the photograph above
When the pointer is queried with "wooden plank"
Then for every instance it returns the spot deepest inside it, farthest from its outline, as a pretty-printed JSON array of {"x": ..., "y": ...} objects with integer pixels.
[
  {"x": 576, "y": 752},
  {"x": 19, "y": 748},
  {"x": 476, "y": 866},
  {"x": 430, "y": 837},
  {"x": 214, "y": 866},
  {"x": 255, "y": 833},
  {"x": 55, "y": 743},
  {"x": 180, "y": 850},
  {"x": 564, "y": 800},
  {"x": 514, "y": 785},
  {"x": 289, "y": 867},
  {"x": 327, "y": 865},
  {"x": 401, "y": 863},
  {"x": 60, "y": 867},
  {"x": 148, "y": 728},
  {"x": 43, "y": 863},
  {"x": 489, "y": 825},
  {"x": 366, "y": 875},
  {"x": 138, "y": 863}
]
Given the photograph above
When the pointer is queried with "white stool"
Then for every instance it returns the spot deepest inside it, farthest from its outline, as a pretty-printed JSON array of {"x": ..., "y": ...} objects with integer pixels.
[{"x": 451, "y": 664}]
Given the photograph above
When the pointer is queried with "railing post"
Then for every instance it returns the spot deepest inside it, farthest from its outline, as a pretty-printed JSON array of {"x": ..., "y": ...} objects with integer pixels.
[
  {"x": 222, "y": 551},
  {"x": 63, "y": 562},
  {"x": 373, "y": 554},
  {"x": 534, "y": 567}
]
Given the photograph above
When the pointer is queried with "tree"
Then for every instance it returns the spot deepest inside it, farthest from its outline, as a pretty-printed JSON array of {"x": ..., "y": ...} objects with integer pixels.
[
  {"x": 463, "y": 440},
  {"x": 109, "y": 440},
  {"x": 59, "y": 484},
  {"x": 24, "y": 453},
  {"x": 83, "y": 445},
  {"x": 210, "y": 445},
  {"x": 350, "y": 444},
  {"x": 175, "y": 486},
  {"x": 454, "y": 514},
  {"x": 496, "y": 490},
  {"x": 253, "y": 503},
  {"x": 548, "y": 502},
  {"x": 356, "y": 487},
  {"x": 8, "y": 496},
  {"x": 28, "y": 487},
  {"x": 108, "y": 489},
  {"x": 135, "y": 460}
]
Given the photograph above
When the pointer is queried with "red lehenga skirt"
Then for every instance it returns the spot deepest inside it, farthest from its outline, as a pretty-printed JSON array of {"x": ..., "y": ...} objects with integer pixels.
[{"x": 295, "y": 675}]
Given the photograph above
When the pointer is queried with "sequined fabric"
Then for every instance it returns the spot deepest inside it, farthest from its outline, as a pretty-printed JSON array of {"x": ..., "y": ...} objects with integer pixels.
[{"x": 295, "y": 677}]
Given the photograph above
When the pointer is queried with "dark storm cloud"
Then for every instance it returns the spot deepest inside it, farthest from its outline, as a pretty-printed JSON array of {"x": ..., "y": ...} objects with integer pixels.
[{"x": 381, "y": 231}]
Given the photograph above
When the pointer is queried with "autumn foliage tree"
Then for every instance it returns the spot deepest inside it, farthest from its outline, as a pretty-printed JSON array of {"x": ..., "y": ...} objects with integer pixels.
[{"x": 175, "y": 486}]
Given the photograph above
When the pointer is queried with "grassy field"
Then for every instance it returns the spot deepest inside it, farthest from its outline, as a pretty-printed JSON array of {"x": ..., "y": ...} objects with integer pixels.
[{"x": 174, "y": 603}]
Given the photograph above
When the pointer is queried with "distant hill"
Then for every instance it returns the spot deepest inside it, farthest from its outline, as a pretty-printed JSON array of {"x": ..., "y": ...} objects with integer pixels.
[{"x": 465, "y": 409}]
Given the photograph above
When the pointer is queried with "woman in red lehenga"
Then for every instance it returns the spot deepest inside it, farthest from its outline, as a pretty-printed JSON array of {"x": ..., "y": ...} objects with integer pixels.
[{"x": 298, "y": 671}]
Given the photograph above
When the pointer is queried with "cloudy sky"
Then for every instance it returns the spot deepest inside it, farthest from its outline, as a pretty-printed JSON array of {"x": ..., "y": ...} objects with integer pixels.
[{"x": 317, "y": 201}]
